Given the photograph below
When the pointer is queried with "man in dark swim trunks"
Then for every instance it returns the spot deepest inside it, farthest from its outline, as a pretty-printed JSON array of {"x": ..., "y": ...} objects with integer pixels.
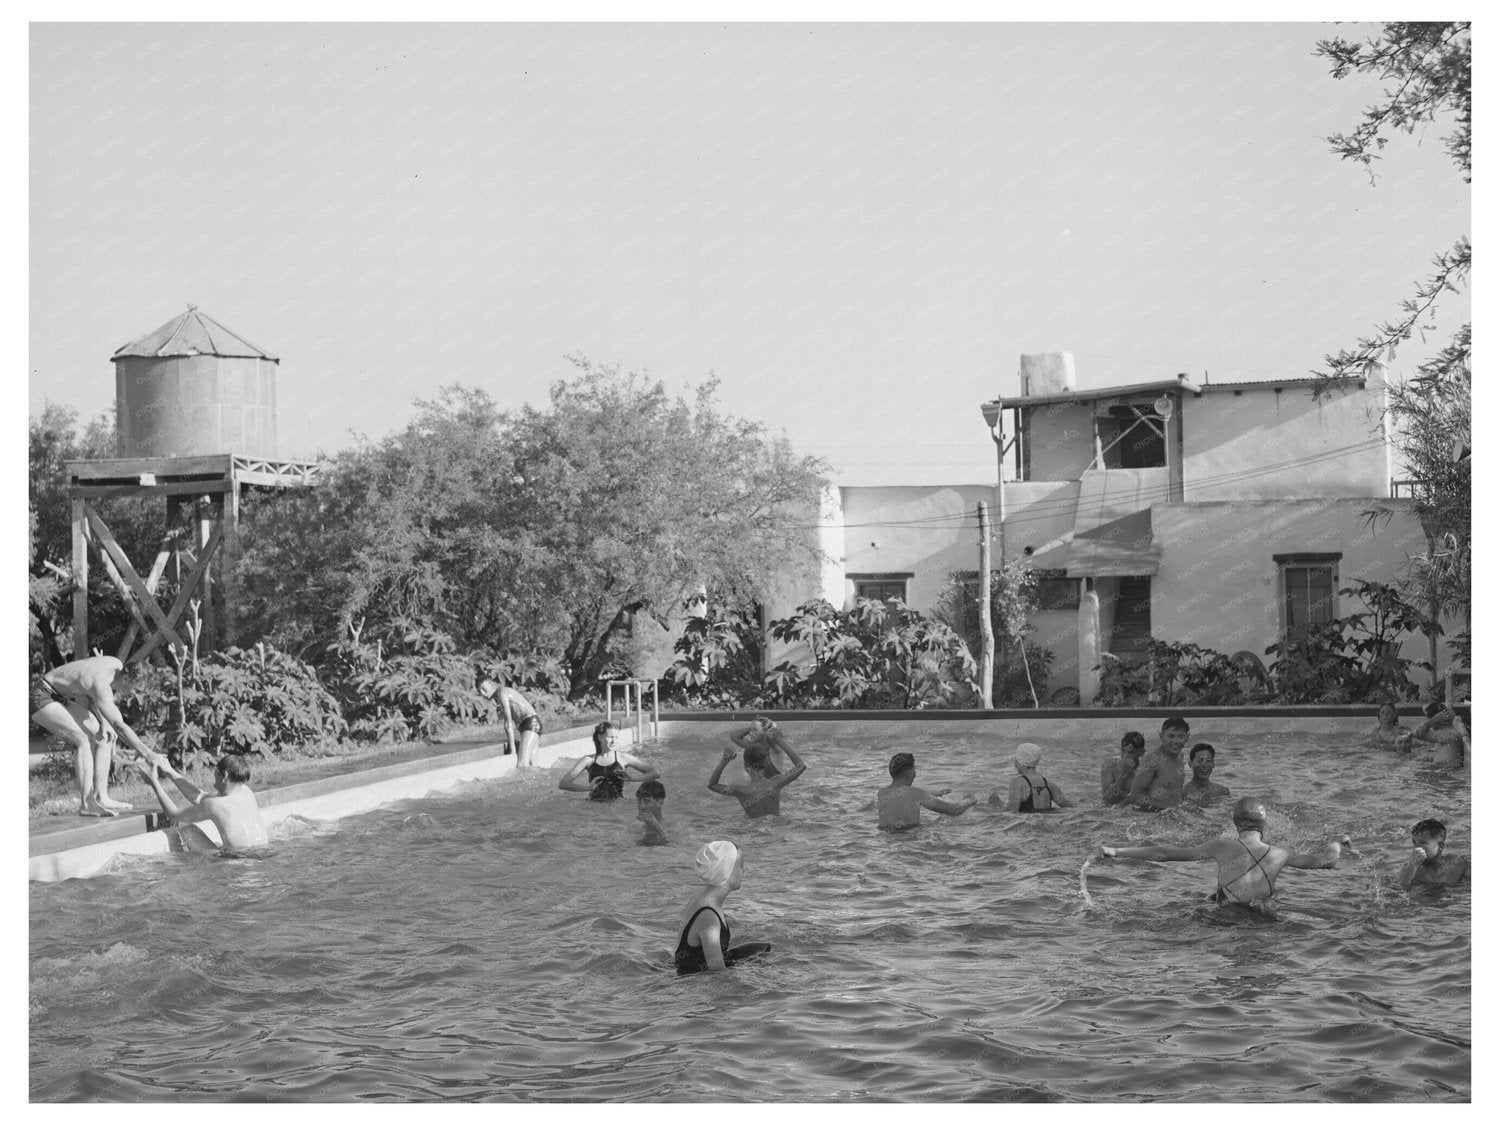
[
  {"x": 520, "y": 717},
  {"x": 1428, "y": 866},
  {"x": 1248, "y": 866},
  {"x": 76, "y": 702}
]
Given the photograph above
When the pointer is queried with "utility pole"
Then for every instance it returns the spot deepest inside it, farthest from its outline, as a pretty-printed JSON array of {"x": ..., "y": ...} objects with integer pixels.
[{"x": 986, "y": 627}]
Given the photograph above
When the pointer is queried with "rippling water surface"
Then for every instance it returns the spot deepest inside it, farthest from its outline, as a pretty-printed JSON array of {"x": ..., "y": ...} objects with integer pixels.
[{"x": 509, "y": 941}]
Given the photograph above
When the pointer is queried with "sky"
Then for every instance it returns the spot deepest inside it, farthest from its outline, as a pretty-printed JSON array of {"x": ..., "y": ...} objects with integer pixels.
[{"x": 858, "y": 228}]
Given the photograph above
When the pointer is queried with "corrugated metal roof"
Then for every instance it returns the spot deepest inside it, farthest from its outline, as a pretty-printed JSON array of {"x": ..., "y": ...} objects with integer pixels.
[
  {"x": 192, "y": 333},
  {"x": 1128, "y": 390}
]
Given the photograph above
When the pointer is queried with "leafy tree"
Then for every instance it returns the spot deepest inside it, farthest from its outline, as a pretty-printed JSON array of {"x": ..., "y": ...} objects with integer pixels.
[
  {"x": 1021, "y": 665},
  {"x": 624, "y": 499},
  {"x": 545, "y": 530},
  {"x": 1427, "y": 68},
  {"x": 56, "y": 437}
]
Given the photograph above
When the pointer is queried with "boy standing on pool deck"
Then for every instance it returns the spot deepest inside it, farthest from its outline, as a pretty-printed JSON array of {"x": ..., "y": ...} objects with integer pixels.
[
  {"x": 650, "y": 796},
  {"x": 1428, "y": 866},
  {"x": 231, "y": 808},
  {"x": 1117, "y": 773},
  {"x": 901, "y": 803},
  {"x": 73, "y": 701},
  {"x": 1158, "y": 780}
]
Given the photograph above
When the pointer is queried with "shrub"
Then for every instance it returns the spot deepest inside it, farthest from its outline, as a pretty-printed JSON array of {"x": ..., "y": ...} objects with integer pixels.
[{"x": 239, "y": 701}]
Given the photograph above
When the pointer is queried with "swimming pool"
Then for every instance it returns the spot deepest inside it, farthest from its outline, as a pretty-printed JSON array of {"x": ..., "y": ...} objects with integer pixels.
[{"x": 511, "y": 942}]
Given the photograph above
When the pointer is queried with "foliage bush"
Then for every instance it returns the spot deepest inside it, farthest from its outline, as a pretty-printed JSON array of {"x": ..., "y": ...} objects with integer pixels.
[
  {"x": 879, "y": 654},
  {"x": 239, "y": 701},
  {"x": 719, "y": 659}
]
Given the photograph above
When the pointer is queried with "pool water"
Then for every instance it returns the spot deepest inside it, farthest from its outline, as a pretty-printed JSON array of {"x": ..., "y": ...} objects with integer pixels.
[{"x": 511, "y": 942}]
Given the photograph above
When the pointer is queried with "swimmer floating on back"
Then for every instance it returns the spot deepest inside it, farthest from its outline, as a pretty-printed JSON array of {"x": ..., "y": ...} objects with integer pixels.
[
  {"x": 603, "y": 776},
  {"x": 1248, "y": 866},
  {"x": 703, "y": 945}
]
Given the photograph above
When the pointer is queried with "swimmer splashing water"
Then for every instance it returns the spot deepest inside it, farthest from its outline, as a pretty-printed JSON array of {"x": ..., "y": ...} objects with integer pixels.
[{"x": 1248, "y": 866}]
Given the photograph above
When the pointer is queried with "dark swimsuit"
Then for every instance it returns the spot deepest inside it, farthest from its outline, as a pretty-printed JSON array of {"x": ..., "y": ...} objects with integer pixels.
[
  {"x": 43, "y": 693},
  {"x": 1027, "y": 802},
  {"x": 689, "y": 958},
  {"x": 606, "y": 783},
  {"x": 1223, "y": 894}
]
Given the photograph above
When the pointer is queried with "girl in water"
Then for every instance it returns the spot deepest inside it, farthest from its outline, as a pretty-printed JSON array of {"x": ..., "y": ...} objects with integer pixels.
[
  {"x": 604, "y": 775},
  {"x": 704, "y": 941},
  {"x": 1388, "y": 732}
]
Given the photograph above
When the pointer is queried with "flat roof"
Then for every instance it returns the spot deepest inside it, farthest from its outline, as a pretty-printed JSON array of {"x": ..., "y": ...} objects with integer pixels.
[{"x": 1180, "y": 383}]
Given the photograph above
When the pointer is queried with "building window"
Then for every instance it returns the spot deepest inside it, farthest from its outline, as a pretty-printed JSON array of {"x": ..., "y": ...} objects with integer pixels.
[
  {"x": 880, "y": 589},
  {"x": 1131, "y": 437},
  {"x": 1055, "y": 590},
  {"x": 1309, "y": 591}
]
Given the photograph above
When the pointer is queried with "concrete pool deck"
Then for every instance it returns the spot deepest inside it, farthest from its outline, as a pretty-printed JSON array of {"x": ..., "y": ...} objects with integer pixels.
[{"x": 72, "y": 847}]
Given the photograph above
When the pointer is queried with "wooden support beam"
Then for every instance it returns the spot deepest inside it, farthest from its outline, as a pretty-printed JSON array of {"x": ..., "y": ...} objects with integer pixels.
[
  {"x": 80, "y": 581},
  {"x": 185, "y": 488},
  {"x": 185, "y": 593},
  {"x": 122, "y": 571},
  {"x": 153, "y": 581}
]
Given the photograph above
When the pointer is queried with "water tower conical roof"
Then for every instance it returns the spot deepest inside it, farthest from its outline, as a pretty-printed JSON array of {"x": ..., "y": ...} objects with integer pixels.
[{"x": 192, "y": 333}]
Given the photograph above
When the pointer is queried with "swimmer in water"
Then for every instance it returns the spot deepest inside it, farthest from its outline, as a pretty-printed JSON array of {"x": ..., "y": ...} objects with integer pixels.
[
  {"x": 1029, "y": 791},
  {"x": 766, "y": 735},
  {"x": 603, "y": 776},
  {"x": 1428, "y": 866},
  {"x": 231, "y": 808},
  {"x": 1202, "y": 791},
  {"x": 900, "y": 803},
  {"x": 1441, "y": 729},
  {"x": 1248, "y": 866},
  {"x": 703, "y": 945},
  {"x": 1388, "y": 732},
  {"x": 761, "y": 795},
  {"x": 650, "y": 796},
  {"x": 1157, "y": 784},
  {"x": 1116, "y": 774}
]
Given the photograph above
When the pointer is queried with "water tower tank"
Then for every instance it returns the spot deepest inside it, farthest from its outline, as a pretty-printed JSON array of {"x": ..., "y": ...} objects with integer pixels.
[{"x": 193, "y": 387}]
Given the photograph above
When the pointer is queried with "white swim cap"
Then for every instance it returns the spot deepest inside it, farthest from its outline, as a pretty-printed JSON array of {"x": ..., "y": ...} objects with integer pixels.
[
  {"x": 1028, "y": 755},
  {"x": 715, "y": 862}
]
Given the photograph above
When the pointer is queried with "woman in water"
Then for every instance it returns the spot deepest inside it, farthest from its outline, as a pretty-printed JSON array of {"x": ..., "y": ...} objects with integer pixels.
[
  {"x": 604, "y": 775},
  {"x": 704, "y": 941},
  {"x": 1029, "y": 790},
  {"x": 1388, "y": 731}
]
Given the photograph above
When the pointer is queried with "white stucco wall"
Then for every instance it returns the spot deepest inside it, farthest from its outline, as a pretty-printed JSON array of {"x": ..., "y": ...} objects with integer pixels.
[
  {"x": 1218, "y": 582},
  {"x": 1264, "y": 443},
  {"x": 928, "y": 530}
]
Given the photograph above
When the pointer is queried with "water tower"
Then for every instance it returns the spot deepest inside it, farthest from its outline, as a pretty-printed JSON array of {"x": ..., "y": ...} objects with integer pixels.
[{"x": 196, "y": 417}]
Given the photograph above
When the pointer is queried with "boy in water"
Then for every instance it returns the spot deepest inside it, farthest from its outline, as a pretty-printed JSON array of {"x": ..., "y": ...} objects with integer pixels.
[
  {"x": 231, "y": 807},
  {"x": 1116, "y": 774},
  {"x": 1428, "y": 866},
  {"x": 761, "y": 795},
  {"x": 900, "y": 803},
  {"x": 1248, "y": 866},
  {"x": 1157, "y": 784},
  {"x": 762, "y": 734},
  {"x": 649, "y": 798},
  {"x": 1441, "y": 728},
  {"x": 1202, "y": 791}
]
